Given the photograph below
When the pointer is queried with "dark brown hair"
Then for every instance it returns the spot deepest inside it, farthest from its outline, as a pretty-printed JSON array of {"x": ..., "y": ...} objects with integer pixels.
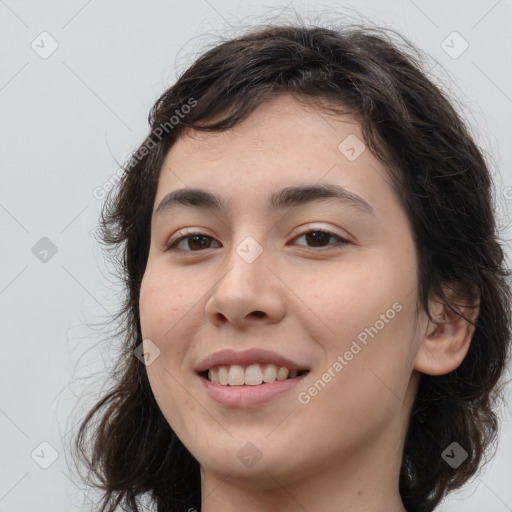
[{"x": 409, "y": 124}]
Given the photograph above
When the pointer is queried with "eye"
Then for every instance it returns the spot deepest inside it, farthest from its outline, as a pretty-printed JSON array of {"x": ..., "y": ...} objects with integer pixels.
[
  {"x": 194, "y": 242},
  {"x": 320, "y": 238}
]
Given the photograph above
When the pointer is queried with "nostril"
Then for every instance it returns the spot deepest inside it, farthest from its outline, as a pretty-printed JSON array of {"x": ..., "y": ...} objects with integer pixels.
[{"x": 258, "y": 314}]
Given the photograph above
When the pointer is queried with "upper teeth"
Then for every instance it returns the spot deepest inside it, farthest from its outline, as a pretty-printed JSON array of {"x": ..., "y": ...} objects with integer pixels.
[{"x": 253, "y": 375}]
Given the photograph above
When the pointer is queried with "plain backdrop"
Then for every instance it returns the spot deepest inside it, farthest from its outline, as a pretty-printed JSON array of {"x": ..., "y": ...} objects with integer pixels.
[{"x": 77, "y": 80}]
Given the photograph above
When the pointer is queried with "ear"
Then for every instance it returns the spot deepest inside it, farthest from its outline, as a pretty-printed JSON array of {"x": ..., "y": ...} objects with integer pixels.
[{"x": 446, "y": 340}]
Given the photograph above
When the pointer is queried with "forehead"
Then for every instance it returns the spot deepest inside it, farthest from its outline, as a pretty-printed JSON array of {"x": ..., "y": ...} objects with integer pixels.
[
  {"x": 280, "y": 125},
  {"x": 281, "y": 144}
]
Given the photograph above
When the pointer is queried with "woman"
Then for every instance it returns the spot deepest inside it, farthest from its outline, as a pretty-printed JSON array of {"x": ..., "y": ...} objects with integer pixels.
[{"x": 316, "y": 293}]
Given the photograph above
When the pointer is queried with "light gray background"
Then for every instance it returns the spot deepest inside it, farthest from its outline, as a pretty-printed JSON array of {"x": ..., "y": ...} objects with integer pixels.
[{"x": 67, "y": 118}]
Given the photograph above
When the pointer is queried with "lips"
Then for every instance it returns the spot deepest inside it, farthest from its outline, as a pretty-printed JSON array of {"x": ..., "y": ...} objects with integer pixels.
[
  {"x": 252, "y": 393},
  {"x": 246, "y": 358}
]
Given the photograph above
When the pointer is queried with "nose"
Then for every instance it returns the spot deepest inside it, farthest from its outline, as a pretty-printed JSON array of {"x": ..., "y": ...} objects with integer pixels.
[{"x": 248, "y": 292}]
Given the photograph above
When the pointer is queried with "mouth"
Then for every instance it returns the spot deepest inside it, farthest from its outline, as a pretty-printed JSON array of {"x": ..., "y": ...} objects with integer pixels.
[
  {"x": 229, "y": 390},
  {"x": 257, "y": 374},
  {"x": 249, "y": 378}
]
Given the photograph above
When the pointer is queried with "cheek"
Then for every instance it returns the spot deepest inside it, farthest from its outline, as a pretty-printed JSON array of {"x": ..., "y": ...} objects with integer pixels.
[
  {"x": 170, "y": 312},
  {"x": 160, "y": 301},
  {"x": 367, "y": 310},
  {"x": 352, "y": 295},
  {"x": 160, "y": 312}
]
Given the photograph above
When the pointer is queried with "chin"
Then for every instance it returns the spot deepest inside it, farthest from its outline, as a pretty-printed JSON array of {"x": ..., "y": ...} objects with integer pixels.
[{"x": 252, "y": 463}]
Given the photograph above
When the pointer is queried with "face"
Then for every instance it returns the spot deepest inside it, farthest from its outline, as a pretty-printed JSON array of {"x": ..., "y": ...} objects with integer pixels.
[{"x": 323, "y": 283}]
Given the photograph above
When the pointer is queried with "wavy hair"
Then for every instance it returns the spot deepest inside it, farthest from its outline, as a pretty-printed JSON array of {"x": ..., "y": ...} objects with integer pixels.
[{"x": 442, "y": 178}]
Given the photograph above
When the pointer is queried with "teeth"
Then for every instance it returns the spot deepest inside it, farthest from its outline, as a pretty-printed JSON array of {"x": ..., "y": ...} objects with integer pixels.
[
  {"x": 253, "y": 375},
  {"x": 213, "y": 375},
  {"x": 223, "y": 376},
  {"x": 270, "y": 373},
  {"x": 282, "y": 373},
  {"x": 236, "y": 375}
]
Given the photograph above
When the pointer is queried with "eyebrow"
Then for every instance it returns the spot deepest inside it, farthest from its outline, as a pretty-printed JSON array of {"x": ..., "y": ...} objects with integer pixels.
[{"x": 285, "y": 198}]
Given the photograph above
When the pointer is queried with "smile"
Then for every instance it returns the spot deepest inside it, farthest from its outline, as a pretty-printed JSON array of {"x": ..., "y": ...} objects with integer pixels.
[
  {"x": 251, "y": 375},
  {"x": 248, "y": 378}
]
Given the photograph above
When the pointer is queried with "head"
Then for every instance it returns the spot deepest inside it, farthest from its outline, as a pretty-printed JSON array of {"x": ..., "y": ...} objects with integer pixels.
[{"x": 399, "y": 315}]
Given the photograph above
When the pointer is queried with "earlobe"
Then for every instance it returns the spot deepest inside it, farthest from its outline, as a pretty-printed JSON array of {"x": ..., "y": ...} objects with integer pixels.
[{"x": 447, "y": 338}]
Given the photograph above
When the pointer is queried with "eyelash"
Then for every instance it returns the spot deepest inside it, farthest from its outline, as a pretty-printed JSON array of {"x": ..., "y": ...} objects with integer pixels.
[{"x": 172, "y": 245}]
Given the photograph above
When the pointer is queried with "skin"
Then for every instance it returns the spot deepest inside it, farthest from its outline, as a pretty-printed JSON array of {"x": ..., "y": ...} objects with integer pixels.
[{"x": 342, "y": 450}]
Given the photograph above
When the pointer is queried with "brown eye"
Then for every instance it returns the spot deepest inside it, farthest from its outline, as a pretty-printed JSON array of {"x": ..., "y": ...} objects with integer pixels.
[
  {"x": 198, "y": 242},
  {"x": 319, "y": 238},
  {"x": 191, "y": 243}
]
